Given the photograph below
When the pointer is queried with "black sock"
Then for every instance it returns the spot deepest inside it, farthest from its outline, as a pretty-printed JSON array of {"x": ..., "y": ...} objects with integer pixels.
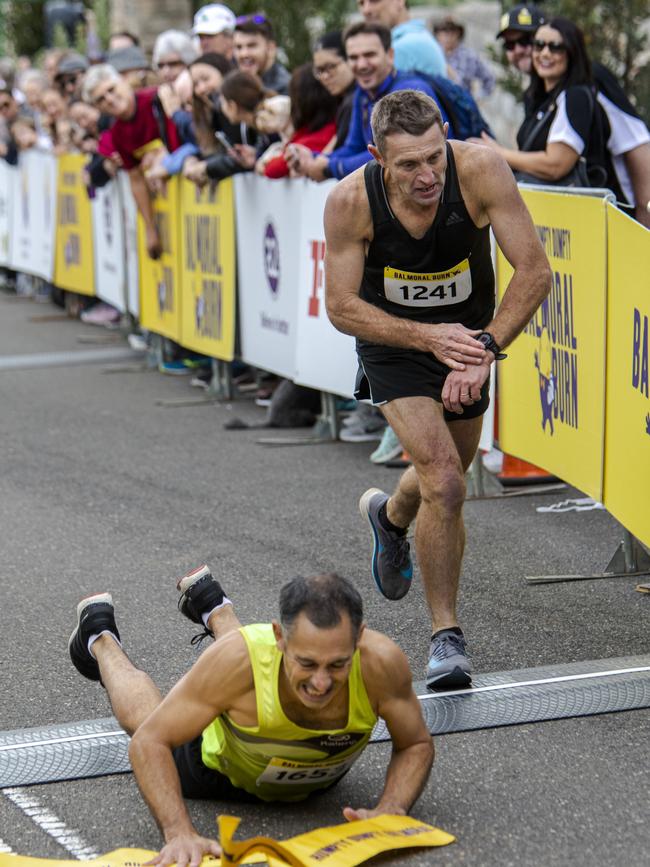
[
  {"x": 455, "y": 629},
  {"x": 388, "y": 525}
]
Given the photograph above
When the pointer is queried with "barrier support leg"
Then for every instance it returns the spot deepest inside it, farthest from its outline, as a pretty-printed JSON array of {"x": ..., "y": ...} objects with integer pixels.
[
  {"x": 484, "y": 485},
  {"x": 630, "y": 560},
  {"x": 326, "y": 429}
]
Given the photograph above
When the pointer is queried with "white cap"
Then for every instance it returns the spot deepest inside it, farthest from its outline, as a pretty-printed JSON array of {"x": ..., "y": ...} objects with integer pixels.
[{"x": 213, "y": 19}]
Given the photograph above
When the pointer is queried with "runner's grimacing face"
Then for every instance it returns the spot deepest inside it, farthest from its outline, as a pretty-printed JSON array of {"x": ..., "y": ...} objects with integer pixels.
[
  {"x": 417, "y": 164},
  {"x": 369, "y": 61},
  {"x": 316, "y": 662}
]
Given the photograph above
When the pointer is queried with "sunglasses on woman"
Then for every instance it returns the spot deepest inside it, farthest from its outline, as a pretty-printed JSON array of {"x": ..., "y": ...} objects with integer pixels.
[{"x": 553, "y": 47}]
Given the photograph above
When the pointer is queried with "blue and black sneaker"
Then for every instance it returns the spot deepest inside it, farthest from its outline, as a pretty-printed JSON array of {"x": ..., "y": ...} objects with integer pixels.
[
  {"x": 448, "y": 666},
  {"x": 392, "y": 568},
  {"x": 95, "y": 614}
]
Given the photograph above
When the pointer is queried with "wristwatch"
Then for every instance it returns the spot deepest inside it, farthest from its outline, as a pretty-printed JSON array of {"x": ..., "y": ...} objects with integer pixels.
[{"x": 490, "y": 343}]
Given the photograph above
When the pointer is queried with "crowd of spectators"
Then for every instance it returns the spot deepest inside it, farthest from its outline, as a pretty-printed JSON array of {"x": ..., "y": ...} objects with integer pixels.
[{"x": 219, "y": 100}]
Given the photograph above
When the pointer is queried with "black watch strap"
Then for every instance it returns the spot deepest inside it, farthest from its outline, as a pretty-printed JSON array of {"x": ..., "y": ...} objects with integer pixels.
[{"x": 490, "y": 343}]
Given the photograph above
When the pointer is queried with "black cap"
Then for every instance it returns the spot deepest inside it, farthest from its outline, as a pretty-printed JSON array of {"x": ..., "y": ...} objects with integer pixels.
[
  {"x": 526, "y": 18},
  {"x": 71, "y": 63}
]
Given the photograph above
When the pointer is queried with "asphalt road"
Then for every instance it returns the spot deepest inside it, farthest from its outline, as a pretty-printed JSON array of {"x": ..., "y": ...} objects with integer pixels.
[{"x": 102, "y": 488}]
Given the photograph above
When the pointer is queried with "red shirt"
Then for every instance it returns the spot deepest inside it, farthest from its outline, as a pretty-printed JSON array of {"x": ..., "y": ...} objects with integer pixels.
[
  {"x": 315, "y": 141},
  {"x": 126, "y": 137}
]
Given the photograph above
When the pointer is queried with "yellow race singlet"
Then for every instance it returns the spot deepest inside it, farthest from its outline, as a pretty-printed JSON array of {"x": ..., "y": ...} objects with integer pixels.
[{"x": 277, "y": 760}]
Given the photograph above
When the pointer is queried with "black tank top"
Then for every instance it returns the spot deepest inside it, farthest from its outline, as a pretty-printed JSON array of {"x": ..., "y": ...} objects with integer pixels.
[{"x": 445, "y": 276}]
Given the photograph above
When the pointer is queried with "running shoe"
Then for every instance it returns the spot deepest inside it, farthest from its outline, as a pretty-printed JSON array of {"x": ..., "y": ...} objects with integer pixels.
[
  {"x": 101, "y": 314},
  {"x": 388, "y": 449},
  {"x": 448, "y": 666},
  {"x": 95, "y": 614},
  {"x": 174, "y": 368},
  {"x": 200, "y": 593},
  {"x": 392, "y": 568}
]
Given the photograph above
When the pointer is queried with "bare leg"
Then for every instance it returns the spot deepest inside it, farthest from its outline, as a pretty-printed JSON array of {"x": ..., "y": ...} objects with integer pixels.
[
  {"x": 223, "y": 620},
  {"x": 436, "y": 481},
  {"x": 132, "y": 693}
]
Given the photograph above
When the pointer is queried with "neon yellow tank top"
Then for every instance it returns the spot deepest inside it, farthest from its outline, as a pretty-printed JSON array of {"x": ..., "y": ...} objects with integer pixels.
[{"x": 277, "y": 760}]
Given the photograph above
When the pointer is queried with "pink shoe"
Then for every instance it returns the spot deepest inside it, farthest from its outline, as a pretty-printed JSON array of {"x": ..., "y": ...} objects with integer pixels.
[{"x": 101, "y": 314}]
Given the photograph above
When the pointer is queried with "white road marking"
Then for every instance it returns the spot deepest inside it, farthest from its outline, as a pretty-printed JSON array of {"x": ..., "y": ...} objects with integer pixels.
[
  {"x": 32, "y": 360},
  {"x": 68, "y": 838}
]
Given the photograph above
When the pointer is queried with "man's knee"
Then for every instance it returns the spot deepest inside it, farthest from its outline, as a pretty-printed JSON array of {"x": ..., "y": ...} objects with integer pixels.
[{"x": 442, "y": 485}]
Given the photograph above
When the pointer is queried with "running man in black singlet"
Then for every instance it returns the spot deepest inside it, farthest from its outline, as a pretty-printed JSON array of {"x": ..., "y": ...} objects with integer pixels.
[{"x": 409, "y": 273}]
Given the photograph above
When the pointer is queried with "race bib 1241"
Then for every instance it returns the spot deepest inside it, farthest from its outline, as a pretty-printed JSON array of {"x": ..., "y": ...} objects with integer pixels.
[{"x": 428, "y": 290}]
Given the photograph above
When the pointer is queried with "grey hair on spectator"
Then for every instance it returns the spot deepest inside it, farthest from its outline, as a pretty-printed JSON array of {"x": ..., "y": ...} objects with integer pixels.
[
  {"x": 36, "y": 75},
  {"x": 95, "y": 75},
  {"x": 174, "y": 42}
]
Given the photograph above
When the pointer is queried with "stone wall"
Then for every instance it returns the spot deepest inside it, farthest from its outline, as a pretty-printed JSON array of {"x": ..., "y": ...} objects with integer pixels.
[{"x": 148, "y": 18}]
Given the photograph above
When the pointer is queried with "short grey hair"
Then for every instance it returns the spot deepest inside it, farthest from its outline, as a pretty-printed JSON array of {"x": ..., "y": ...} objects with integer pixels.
[
  {"x": 174, "y": 42},
  {"x": 32, "y": 75},
  {"x": 95, "y": 75},
  {"x": 409, "y": 111}
]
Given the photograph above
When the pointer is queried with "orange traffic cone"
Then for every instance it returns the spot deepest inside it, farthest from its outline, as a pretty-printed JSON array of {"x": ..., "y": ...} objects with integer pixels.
[{"x": 518, "y": 472}]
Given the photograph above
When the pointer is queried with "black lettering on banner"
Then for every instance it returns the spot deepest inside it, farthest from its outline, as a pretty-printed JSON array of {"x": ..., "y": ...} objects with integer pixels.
[
  {"x": 640, "y": 351},
  {"x": 210, "y": 305},
  {"x": 164, "y": 231},
  {"x": 68, "y": 215},
  {"x": 202, "y": 244}
]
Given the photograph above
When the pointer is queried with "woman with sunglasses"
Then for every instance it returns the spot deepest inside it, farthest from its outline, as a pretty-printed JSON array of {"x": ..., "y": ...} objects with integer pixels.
[{"x": 564, "y": 123}]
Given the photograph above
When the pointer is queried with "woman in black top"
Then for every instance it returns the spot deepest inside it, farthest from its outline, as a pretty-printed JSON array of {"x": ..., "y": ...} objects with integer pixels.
[
  {"x": 332, "y": 70},
  {"x": 564, "y": 122}
]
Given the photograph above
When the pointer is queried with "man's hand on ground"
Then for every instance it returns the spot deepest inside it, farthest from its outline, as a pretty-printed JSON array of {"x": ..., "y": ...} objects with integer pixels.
[
  {"x": 353, "y": 814},
  {"x": 185, "y": 850},
  {"x": 463, "y": 387},
  {"x": 454, "y": 345}
]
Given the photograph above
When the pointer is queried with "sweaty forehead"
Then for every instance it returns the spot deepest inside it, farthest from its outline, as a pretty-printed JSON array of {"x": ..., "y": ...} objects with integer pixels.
[{"x": 404, "y": 146}]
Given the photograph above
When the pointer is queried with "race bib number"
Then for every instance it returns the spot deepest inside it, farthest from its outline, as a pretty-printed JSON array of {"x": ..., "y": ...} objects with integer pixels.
[
  {"x": 428, "y": 290},
  {"x": 286, "y": 773}
]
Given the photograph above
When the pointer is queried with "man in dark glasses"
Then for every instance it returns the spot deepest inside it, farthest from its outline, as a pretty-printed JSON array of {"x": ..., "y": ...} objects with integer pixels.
[
  {"x": 517, "y": 29},
  {"x": 255, "y": 51}
]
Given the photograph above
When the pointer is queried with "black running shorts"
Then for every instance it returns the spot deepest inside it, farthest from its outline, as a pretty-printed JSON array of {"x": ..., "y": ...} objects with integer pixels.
[
  {"x": 199, "y": 781},
  {"x": 387, "y": 375}
]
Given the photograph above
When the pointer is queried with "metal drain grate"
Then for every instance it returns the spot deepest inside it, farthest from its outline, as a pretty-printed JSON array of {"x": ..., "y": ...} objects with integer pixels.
[{"x": 99, "y": 747}]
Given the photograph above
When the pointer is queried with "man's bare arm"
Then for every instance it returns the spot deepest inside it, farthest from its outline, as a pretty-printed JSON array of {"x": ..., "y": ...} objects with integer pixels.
[
  {"x": 347, "y": 226},
  {"x": 210, "y": 688},
  {"x": 143, "y": 203},
  {"x": 388, "y": 677},
  {"x": 515, "y": 234},
  {"x": 637, "y": 162}
]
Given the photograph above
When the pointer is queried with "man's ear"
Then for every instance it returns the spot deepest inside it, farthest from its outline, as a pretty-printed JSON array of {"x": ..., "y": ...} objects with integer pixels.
[
  {"x": 362, "y": 629},
  {"x": 375, "y": 153},
  {"x": 278, "y": 634}
]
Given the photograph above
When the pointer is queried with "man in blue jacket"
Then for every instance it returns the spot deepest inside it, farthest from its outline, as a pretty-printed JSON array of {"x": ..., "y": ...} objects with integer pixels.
[
  {"x": 416, "y": 48},
  {"x": 371, "y": 58}
]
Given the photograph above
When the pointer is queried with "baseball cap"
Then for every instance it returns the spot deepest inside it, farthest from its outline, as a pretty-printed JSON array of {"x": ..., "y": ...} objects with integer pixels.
[
  {"x": 127, "y": 59},
  {"x": 73, "y": 62},
  {"x": 213, "y": 19},
  {"x": 526, "y": 18}
]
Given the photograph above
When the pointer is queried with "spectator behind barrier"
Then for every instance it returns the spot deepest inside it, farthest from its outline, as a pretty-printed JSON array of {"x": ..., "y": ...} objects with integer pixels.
[
  {"x": 141, "y": 128},
  {"x": 333, "y": 71},
  {"x": 123, "y": 39},
  {"x": 313, "y": 112},
  {"x": 9, "y": 111},
  {"x": 70, "y": 74},
  {"x": 465, "y": 63},
  {"x": 54, "y": 120},
  {"x": 415, "y": 47},
  {"x": 173, "y": 51},
  {"x": 369, "y": 53},
  {"x": 50, "y": 63},
  {"x": 255, "y": 51},
  {"x": 132, "y": 65},
  {"x": 628, "y": 139},
  {"x": 214, "y": 26}
]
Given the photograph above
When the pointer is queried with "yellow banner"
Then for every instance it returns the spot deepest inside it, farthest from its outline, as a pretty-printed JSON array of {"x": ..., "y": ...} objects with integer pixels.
[
  {"x": 208, "y": 269},
  {"x": 345, "y": 845},
  {"x": 74, "y": 266},
  {"x": 627, "y": 425},
  {"x": 160, "y": 286},
  {"x": 552, "y": 385}
]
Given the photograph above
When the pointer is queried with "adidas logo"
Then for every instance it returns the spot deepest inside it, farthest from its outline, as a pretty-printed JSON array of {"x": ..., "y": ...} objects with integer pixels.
[{"x": 453, "y": 218}]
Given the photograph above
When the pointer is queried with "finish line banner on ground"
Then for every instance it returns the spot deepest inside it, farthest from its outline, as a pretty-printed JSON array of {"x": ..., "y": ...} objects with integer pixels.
[
  {"x": 627, "y": 430},
  {"x": 552, "y": 386},
  {"x": 345, "y": 845}
]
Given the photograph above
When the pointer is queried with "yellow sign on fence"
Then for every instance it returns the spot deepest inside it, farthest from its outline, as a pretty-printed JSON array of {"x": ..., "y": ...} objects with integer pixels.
[
  {"x": 627, "y": 427},
  {"x": 74, "y": 269},
  {"x": 552, "y": 386},
  {"x": 160, "y": 279},
  {"x": 208, "y": 269}
]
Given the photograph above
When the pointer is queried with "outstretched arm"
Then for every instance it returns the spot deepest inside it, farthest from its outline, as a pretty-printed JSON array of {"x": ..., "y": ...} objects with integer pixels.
[
  {"x": 389, "y": 677},
  {"x": 196, "y": 700},
  {"x": 348, "y": 227}
]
